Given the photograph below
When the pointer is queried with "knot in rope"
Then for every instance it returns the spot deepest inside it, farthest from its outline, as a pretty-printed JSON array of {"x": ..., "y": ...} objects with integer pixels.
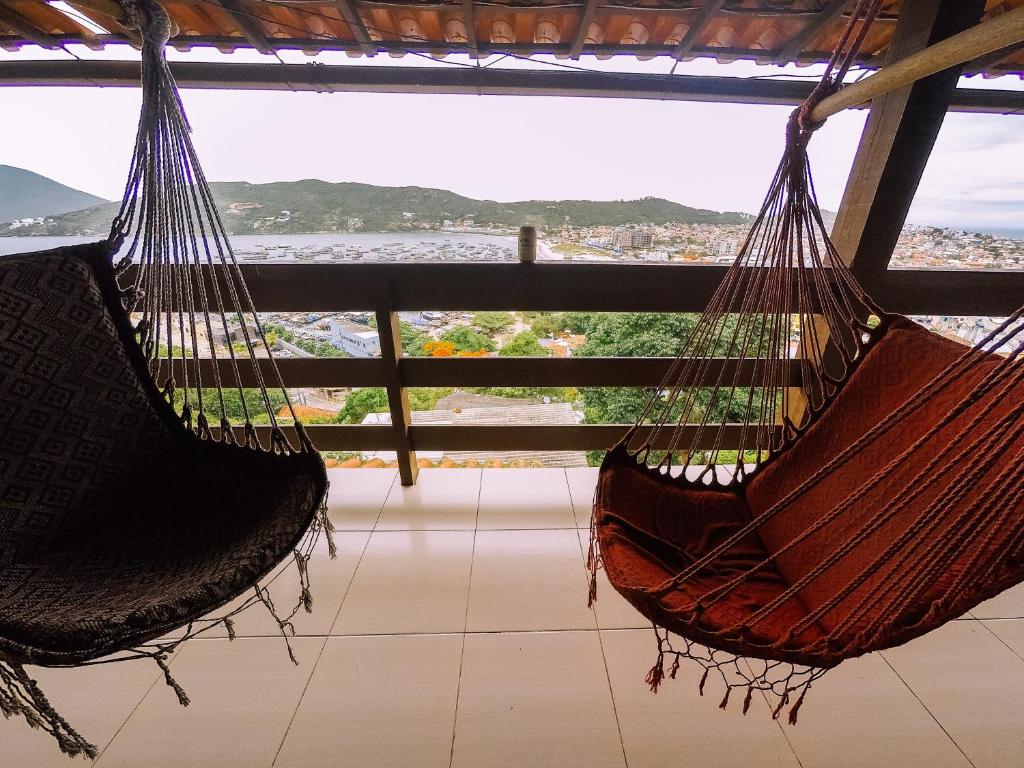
[
  {"x": 150, "y": 18},
  {"x": 801, "y": 125}
]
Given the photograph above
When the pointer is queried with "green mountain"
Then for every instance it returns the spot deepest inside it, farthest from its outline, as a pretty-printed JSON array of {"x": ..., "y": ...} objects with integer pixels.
[
  {"x": 27, "y": 195},
  {"x": 311, "y": 206}
]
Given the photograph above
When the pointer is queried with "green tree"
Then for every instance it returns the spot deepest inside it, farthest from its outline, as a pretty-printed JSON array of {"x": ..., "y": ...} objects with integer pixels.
[
  {"x": 579, "y": 322},
  {"x": 549, "y": 323},
  {"x": 648, "y": 335},
  {"x": 467, "y": 340},
  {"x": 523, "y": 344},
  {"x": 556, "y": 394},
  {"x": 233, "y": 409},
  {"x": 362, "y": 402},
  {"x": 425, "y": 398},
  {"x": 412, "y": 340},
  {"x": 319, "y": 348},
  {"x": 375, "y": 400},
  {"x": 493, "y": 322},
  {"x": 626, "y": 335}
]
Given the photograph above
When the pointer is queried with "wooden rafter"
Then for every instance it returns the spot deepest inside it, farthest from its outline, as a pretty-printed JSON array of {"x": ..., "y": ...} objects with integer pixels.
[
  {"x": 711, "y": 7},
  {"x": 586, "y": 15},
  {"x": 107, "y": 14},
  {"x": 469, "y": 21},
  {"x": 11, "y": 18},
  {"x": 814, "y": 27},
  {"x": 356, "y": 25},
  {"x": 251, "y": 29}
]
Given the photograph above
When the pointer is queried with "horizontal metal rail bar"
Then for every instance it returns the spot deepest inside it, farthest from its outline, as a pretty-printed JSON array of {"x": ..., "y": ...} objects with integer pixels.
[
  {"x": 472, "y": 372},
  {"x": 458, "y": 80}
]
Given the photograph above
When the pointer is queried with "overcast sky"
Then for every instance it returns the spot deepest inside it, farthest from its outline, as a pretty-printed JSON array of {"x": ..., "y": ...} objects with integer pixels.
[{"x": 717, "y": 156}]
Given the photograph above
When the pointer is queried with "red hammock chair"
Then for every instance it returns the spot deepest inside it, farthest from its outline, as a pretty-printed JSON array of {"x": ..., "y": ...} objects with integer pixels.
[{"x": 873, "y": 504}]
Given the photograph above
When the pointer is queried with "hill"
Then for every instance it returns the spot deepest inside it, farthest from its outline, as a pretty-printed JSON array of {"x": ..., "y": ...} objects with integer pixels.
[
  {"x": 28, "y": 195},
  {"x": 291, "y": 207}
]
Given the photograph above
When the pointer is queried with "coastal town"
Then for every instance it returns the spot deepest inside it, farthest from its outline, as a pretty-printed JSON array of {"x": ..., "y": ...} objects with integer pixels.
[{"x": 919, "y": 247}]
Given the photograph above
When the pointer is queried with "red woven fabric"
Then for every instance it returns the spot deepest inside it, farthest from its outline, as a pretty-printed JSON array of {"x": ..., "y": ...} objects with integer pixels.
[{"x": 650, "y": 527}]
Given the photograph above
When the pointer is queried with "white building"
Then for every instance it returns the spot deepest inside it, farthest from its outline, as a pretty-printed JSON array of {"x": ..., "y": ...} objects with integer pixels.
[{"x": 355, "y": 340}]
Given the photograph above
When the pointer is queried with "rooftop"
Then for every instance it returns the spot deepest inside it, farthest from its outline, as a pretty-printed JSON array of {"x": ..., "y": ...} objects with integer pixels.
[
  {"x": 452, "y": 630},
  {"x": 765, "y": 31}
]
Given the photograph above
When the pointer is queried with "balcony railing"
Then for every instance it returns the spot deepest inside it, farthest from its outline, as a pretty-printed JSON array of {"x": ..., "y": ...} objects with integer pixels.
[{"x": 387, "y": 289}]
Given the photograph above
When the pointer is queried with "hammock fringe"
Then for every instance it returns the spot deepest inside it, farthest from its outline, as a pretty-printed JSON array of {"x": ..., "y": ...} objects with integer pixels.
[
  {"x": 21, "y": 695},
  {"x": 777, "y": 681}
]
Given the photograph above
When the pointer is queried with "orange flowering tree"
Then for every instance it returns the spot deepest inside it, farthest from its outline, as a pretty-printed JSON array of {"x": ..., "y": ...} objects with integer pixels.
[{"x": 439, "y": 348}]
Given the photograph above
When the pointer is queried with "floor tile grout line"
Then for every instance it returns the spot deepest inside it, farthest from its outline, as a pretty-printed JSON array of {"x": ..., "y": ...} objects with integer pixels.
[
  {"x": 778, "y": 721},
  {"x": 328, "y": 636},
  {"x": 997, "y": 637},
  {"x": 465, "y": 624},
  {"x": 424, "y": 633},
  {"x": 110, "y": 741},
  {"x": 600, "y": 641},
  {"x": 927, "y": 709}
]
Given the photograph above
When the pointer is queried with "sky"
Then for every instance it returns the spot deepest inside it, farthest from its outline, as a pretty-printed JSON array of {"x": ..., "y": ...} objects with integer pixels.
[{"x": 717, "y": 156}]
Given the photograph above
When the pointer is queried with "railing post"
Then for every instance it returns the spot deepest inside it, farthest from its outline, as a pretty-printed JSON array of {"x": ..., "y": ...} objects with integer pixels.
[{"x": 390, "y": 335}]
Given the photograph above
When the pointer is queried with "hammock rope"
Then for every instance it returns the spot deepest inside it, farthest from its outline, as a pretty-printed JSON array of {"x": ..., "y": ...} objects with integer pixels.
[
  {"x": 177, "y": 237},
  {"x": 845, "y": 523}
]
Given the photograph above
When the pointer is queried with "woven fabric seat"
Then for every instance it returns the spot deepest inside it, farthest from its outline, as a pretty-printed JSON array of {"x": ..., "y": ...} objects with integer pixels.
[
  {"x": 119, "y": 523},
  {"x": 653, "y": 526}
]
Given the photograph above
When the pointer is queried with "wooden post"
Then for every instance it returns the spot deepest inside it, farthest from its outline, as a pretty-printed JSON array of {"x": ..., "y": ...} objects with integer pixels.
[
  {"x": 390, "y": 336},
  {"x": 898, "y": 138}
]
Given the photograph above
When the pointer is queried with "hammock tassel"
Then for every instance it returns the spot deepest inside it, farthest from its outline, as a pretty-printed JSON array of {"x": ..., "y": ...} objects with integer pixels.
[
  {"x": 782, "y": 704},
  {"x": 656, "y": 674},
  {"x": 750, "y": 695},
  {"x": 161, "y": 661},
  {"x": 725, "y": 700},
  {"x": 703, "y": 680},
  {"x": 328, "y": 526},
  {"x": 229, "y": 625},
  {"x": 306, "y": 596},
  {"x": 796, "y": 707},
  {"x": 21, "y": 695}
]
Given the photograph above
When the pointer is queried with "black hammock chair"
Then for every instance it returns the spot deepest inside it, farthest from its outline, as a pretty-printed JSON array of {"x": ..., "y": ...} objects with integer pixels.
[
  {"x": 872, "y": 490},
  {"x": 124, "y": 513}
]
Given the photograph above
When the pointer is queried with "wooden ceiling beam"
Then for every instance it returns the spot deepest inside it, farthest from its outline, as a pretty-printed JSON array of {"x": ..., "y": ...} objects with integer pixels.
[
  {"x": 795, "y": 45},
  {"x": 356, "y": 25},
  {"x": 586, "y": 16},
  {"x": 460, "y": 80},
  {"x": 711, "y": 7},
  {"x": 11, "y": 18},
  {"x": 469, "y": 22}
]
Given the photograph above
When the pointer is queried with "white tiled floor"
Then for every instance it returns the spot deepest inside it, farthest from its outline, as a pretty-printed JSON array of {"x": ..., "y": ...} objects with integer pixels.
[{"x": 452, "y": 630}]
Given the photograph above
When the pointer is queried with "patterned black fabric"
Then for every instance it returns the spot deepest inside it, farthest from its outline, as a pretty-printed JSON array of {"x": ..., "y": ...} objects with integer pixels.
[{"x": 116, "y": 522}]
